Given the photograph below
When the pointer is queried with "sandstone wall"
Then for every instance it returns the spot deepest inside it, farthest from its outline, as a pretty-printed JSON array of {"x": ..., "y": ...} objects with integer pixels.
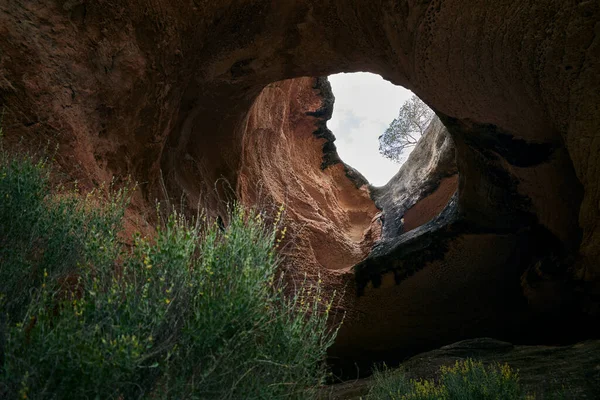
[{"x": 330, "y": 217}]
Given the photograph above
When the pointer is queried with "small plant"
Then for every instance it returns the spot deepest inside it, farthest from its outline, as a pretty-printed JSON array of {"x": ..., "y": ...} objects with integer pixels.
[{"x": 466, "y": 380}]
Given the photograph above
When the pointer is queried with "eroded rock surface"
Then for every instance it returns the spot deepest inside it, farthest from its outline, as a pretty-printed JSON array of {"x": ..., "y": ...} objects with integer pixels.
[
  {"x": 423, "y": 186},
  {"x": 169, "y": 92},
  {"x": 289, "y": 158}
]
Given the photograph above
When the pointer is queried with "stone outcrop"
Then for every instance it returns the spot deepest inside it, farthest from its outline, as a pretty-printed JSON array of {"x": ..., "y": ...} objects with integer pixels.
[
  {"x": 177, "y": 94},
  {"x": 545, "y": 372},
  {"x": 423, "y": 186}
]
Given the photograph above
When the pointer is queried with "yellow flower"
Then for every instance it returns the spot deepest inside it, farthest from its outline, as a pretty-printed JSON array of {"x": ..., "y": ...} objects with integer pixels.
[{"x": 167, "y": 301}]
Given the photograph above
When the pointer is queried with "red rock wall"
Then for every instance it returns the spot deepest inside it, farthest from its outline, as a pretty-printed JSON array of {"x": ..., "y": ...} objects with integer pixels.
[
  {"x": 430, "y": 206},
  {"x": 331, "y": 222}
]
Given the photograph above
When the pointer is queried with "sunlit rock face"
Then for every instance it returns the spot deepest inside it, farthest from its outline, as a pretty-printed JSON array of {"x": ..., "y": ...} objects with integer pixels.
[
  {"x": 289, "y": 158},
  {"x": 177, "y": 95}
]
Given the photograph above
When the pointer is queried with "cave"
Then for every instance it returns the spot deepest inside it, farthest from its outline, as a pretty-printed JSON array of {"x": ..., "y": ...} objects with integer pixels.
[{"x": 492, "y": 230}]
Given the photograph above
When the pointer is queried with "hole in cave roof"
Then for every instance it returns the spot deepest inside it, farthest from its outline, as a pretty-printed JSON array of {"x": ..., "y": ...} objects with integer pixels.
[{"x": 365, "y": 105}]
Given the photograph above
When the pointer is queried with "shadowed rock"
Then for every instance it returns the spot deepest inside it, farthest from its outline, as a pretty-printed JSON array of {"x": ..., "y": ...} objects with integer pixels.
[{"x": 547, "y": 372}]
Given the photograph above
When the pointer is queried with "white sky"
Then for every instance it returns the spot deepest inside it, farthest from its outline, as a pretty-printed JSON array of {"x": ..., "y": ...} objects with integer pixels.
[{"x": 365, "y": 104}]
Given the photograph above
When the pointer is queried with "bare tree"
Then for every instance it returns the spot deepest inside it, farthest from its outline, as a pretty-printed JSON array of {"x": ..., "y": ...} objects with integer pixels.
[{"x": 405, "y": 131}]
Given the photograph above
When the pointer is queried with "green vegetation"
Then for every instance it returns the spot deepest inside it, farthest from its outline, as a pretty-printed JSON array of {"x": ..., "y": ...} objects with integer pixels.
[
  {"x": 194, "y": 312},
  {"x": 405, "y": 131},
  {"x": 466, "y": 380}
]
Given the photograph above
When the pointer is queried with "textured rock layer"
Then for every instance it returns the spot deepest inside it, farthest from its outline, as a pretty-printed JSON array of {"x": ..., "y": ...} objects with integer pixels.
[{"x": 332, "y": 220}]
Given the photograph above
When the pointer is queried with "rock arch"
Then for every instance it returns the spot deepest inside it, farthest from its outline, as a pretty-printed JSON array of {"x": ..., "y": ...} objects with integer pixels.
[{"x": 167, "y": 91}]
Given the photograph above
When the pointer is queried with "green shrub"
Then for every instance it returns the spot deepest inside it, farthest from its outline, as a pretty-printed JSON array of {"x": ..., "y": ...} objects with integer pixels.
[
  {"x": 194, "y": 313},
  {"x": 466, "y": 380},
  {"x": 44, "y": 234}
]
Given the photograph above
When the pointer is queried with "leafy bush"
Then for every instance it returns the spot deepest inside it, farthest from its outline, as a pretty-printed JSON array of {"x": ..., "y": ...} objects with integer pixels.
[
  {"x": 466, "y": 380},
  {"x": 194, "y": 312},
  {"x": 43, "y": 234}
]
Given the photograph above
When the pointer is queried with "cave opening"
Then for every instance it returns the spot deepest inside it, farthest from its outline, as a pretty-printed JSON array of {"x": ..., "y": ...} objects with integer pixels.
[
  {"x": 377, "y": 125},
  {"x": 338, "y": 216},
  {"x": 365, "y": 106}
]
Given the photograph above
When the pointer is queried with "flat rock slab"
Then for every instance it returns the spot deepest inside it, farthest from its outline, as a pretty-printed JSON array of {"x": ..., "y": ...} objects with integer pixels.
[{"x": 570, "y": 372}]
